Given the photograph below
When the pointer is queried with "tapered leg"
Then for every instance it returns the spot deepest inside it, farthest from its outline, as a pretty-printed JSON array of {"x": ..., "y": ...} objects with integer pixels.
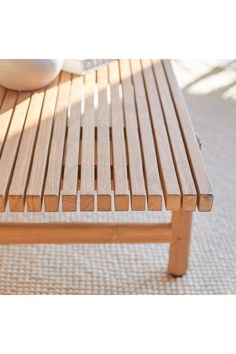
[{"x": 179, "y": 246}]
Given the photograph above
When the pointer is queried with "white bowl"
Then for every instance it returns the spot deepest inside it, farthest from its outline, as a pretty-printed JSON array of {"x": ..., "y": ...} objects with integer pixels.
[{"x": 28, "y": 74}]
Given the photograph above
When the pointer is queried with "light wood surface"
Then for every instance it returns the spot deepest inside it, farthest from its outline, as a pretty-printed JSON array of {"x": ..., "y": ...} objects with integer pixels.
[
  {"x": 88, "y": 149},
  {"x": 39, "y": 164},
  {"x": 9, "y": 153},
  {"x": 84, "y": 233},
  {"x": 70, "y": 181},
  {"x": 180, "y": 241},
  {"x": 138, "y": 191},
  {"x": 118, "y": 138},
  {"x": 24, "y": 158},
  {"x": 153, "y": 184},
  {"x": 103, "y": 142},
  {"x": 168, "y": 176},
  {"x": 6, "y": 112},
  {"x": 205, "y": 197},
  {"x": 53, "y": 179},
  {"x": 189, "y": 195}
]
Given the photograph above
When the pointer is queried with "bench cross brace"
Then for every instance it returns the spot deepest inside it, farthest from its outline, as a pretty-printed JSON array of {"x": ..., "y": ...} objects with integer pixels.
[{"x": 176, "y": 233}]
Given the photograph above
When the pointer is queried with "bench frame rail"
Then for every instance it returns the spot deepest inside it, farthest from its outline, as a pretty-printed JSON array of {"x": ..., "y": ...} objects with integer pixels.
[{"x": 176, "y": 233}]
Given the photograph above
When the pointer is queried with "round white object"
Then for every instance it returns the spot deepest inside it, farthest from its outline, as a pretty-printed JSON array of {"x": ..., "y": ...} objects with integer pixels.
[{"x": 28, "y": 74}]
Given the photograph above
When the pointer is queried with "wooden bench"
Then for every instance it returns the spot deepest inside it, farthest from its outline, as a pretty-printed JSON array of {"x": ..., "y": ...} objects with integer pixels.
[{"x": 119, "y": 138}]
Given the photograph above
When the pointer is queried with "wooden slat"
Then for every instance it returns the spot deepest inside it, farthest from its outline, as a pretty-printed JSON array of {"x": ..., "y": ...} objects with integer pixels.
[
  {"x": 118, "y": 141},
  {"x": 95, "y": 157},
  {"x": 177, "y": 145},
  {"x": 23, "y": 163},
  {"x": 138, "y": 198},
  {"x": 10, "y": 151},
  {"x": 7, "y": 108},
  {"x": 169, "y": 179},
  {"x": 205, "y": 198},
  {"x": 39, "y": 164},
  {"x": 70, "y": 182},
  {"x": 148, "y": 148},
  {"x": 103, "y": 143},
  {"x": 88, "y": 136},
  {"x": 53, "y": 179}
]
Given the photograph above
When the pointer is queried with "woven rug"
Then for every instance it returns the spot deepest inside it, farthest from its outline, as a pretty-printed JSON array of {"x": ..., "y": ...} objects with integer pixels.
[{"x": 141, "y": 269}]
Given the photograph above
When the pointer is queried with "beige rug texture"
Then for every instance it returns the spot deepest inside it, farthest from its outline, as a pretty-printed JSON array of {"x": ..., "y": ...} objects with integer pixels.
[{"x": 141, "y": 269}]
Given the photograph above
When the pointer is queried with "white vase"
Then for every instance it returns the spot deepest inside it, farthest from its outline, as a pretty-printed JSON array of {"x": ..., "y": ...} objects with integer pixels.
[{"x": 28, "y": 74}]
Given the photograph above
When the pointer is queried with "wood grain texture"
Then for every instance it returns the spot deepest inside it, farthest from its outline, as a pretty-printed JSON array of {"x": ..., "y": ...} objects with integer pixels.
[
  {"x": 7, "y": 108},
  {"x": 118, "y": 140},
  {"x": 87, "y": 160},
  {"x": 84, "y": 233},
  {"x": 20, "y": 177},
  {"x": 180, "y": 242},
  {"x": 53, "y": 179},
  {"x": 138, "y": 191},
  {"x": 205, "y": 197},
  {"x": 70, "y": 182},
  {"x": 103, "y": 143},
  {"x": 9, "y": 153},
  {"x": 169, "y": 179},
  {"x": 153, "y": 184},
  {"x": 35, "y": 187},
  {"x": 189, "y": 194}
]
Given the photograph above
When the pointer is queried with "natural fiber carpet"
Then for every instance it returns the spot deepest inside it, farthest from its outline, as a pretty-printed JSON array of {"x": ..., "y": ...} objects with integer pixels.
[{"x": 141, "y": 269}]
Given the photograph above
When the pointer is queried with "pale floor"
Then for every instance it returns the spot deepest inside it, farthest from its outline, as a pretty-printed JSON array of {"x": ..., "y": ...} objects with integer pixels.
[{"x": 141, "y": 269}]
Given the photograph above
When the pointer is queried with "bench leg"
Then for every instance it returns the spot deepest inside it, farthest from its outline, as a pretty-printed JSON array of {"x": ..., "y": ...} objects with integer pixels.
[{"x": 179, "y": 246}]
